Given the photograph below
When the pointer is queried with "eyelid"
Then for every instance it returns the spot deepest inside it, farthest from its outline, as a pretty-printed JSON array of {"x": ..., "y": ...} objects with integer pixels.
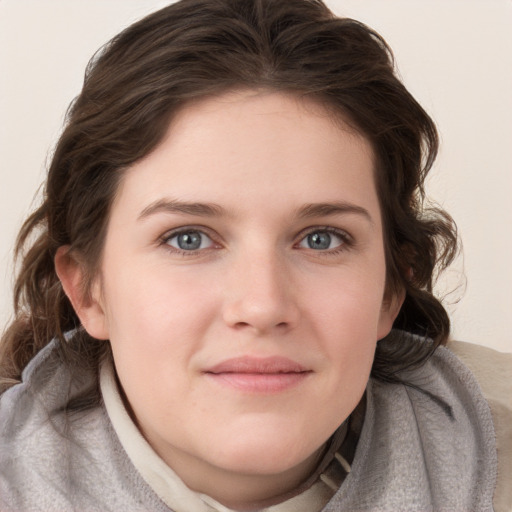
[
  {"x": 348, "y": 240},
  {"x": 346, "y": 237},
  {"x": 171, "y": 233}
]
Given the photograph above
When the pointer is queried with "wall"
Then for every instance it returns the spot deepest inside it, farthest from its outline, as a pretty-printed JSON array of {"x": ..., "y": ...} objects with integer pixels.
[{"x": 454, "y": 55}]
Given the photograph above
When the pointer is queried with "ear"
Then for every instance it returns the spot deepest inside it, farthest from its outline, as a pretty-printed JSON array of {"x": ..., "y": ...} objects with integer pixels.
[
  {"x": 88, "y": 305},
  {"x": 388, "y": 313}
]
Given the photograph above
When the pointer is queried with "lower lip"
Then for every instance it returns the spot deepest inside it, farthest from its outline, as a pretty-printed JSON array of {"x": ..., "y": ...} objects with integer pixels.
[{"x": 266, "y": 383}]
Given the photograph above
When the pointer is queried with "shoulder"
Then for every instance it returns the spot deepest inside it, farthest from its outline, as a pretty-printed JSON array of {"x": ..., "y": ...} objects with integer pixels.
[
  {"x": 493, "y": 371},
  {"x": 34, "y": 435},
  {"x": 427, "y": 443},
  {"x": 54, "y": 457}
]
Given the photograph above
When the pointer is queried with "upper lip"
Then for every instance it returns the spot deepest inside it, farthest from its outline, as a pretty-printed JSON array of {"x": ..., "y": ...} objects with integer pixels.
[{"x": 250, "y": 364}]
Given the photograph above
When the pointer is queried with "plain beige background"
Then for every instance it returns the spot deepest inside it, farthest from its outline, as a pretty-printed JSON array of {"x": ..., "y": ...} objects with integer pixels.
[{"x": 454, "y": 55}]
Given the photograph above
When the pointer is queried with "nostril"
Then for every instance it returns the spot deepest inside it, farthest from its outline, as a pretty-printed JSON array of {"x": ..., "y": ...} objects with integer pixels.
[
  {"x": 241, "y": 325},
  {"x": 245, "y": 325}
]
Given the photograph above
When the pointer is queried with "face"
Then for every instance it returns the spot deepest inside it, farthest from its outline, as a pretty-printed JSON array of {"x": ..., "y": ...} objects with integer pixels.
[{"x": 242, "y": 286}]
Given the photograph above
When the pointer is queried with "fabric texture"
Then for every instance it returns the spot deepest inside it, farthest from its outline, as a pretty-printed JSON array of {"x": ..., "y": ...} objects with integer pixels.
[
  {"x": 493, "y": 371},
  {"x": 414, "y": 454}
]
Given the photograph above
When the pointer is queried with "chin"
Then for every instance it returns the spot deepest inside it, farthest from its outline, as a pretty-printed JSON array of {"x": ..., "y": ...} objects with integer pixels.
[{"x": 265, "y": 451}]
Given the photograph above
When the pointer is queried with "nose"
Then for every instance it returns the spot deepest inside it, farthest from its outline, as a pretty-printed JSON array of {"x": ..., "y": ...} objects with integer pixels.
[{"x": 260, "y": 296}]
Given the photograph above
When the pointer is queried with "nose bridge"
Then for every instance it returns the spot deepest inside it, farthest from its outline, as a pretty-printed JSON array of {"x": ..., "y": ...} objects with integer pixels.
[{"x": 260, "y": 293}]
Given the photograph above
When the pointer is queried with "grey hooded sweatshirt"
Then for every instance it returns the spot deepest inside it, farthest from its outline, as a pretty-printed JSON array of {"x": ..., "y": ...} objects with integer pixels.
[{"x": 425, "y": 447}]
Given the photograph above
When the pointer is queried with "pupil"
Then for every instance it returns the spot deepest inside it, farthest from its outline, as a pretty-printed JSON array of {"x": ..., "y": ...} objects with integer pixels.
[
  {"x": 189, "y": 241},
  {"x": 319, "y": 240}
]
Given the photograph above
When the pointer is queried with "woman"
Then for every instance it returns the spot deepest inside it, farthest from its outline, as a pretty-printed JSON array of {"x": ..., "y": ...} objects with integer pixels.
[{"x": 232, "y": 227}]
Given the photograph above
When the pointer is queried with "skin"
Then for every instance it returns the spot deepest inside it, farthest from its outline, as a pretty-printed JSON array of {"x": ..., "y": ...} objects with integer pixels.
[{"x": 256, "y": 287}]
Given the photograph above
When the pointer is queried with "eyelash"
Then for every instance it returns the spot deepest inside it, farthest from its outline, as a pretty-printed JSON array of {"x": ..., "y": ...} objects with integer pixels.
[
  {"x": 347, "y": 240},
  {"x": 169, "y": 235}
]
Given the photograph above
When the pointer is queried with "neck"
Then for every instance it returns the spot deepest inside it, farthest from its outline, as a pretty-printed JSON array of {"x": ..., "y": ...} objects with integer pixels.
[{"x": 243, "y": 491}]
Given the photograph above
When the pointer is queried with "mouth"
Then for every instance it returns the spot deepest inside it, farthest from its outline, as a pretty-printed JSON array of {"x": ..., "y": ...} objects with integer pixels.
[{"x": 259, "y": 375}]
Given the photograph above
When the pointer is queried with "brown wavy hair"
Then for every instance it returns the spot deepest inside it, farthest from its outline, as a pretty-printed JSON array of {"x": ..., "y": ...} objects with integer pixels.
[{"x": 195, "y": 48}]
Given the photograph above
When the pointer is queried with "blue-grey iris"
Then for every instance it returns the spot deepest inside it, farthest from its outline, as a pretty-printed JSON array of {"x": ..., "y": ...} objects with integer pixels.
[
  {"x": 319, "y": 240},
  {"x": 189, "y": 241}
]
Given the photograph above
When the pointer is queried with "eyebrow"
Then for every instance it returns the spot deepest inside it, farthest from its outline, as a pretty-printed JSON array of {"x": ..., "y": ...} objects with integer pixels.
[
  {"x": 170, "y": 206},
  {"x": 336, "y": 208},
  {"x": 214, "y": 210}
]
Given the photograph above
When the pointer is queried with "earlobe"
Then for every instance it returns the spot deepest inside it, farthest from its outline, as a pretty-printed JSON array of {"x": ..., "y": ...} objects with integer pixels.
[
  {"x": 87, "y": 304},
  {"x": 389, "y": 312}
]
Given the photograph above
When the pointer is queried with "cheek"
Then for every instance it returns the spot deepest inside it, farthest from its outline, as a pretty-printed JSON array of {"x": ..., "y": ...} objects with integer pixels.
[
  {"x": 156, "y": 317},
  {"x": 348, "y": 302},
  {"x": 346, "y": 320},
  {"x": 157, "y": 323}
]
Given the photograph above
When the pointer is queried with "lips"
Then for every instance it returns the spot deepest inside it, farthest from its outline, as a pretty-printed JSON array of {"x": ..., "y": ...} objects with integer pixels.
[{"x": 259, "y": 375}]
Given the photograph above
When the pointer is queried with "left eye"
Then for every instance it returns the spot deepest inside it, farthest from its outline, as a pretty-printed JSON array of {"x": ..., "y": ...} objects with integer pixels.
[
  {"x": 191, "y": 240},
  {"x": 322, "y": 240}
]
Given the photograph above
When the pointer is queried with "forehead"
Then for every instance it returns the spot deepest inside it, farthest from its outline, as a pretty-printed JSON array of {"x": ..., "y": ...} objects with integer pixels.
[{"x": 248, "y": 147}]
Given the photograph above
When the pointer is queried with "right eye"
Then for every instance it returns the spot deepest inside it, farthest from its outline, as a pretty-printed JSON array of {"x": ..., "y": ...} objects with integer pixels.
[{"x": 189, "y": 240}]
